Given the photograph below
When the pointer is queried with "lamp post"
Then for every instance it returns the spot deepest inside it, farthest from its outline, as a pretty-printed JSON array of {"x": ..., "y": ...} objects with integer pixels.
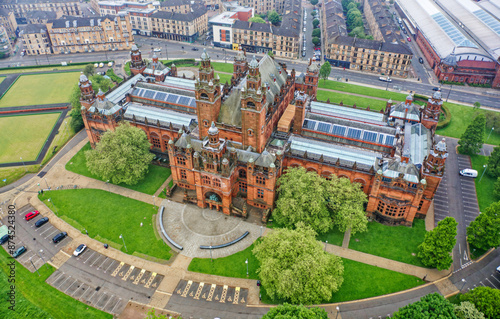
[
  {"x": 449, "y": 92},
  {"x": 326, "y": 243},
  {"x": 124, "y": 243},
  {"x": 46, "y": 183},
  {"x": 154, "y": 201},
  {"x": 24, "y": 164},
  {"x": 387, "y": 86},
  {"x": 166, "y": 51},
  {"x": 464, "y": 282},
  {"x": 224, "y": 50},
  {"x": 41, "y": 256},
  {"x": 34, "y": 266},
  {"x": 107, "y": 183},
  {"x": 261, "y": 230},
  {"x": 490, "y": 134},
  {"x": 246, "y": 262},
  {"x": 485, "y": 166},
  {"x": 338, "y": 311}
]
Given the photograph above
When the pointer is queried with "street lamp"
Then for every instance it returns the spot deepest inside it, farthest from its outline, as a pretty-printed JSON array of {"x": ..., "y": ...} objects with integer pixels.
[
  {"x": 124, "y": 243},
  {"x": 166, "y": 50},
  {"x": 107, "y": 183},
  {"x": 41, "y": 256},
  {"x": 24, "y": 165},
  {"x": 246, "y": 262},
  {"x": 224, "y": 50},
  {"x": 338, "y": 311},
  {"x": 326, "y": 243},
  {"x": 449, "y": 92},
  {"x": 490, "y": 134},
  {"x": 34, "y": 266},
  {"x": 46, "y": 183},
  {"x": 464, "y": 281},
  {"x": 261, "y": 230},
  {"x": 154, "y": 201},
  {"x": 485, "y": 166}
]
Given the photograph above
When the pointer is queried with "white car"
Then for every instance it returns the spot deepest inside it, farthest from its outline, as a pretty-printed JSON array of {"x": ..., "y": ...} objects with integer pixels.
[
  {"x": 468, "y": 172},
  {"x": 79, "y": 250},
  {"x": 157, "y": 50},
  {"x": 385, "y": 79}
]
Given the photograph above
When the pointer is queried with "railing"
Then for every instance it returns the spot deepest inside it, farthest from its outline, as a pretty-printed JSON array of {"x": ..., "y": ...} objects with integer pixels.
[
  {"x": 226, "y": 244},
  {"x": 170, "y": 240}
]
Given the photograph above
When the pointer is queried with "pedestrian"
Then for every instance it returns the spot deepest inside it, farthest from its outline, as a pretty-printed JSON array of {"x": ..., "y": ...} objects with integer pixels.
[
  {"x": 424, "y": 278},
  {"x": 41, "y": 191}
]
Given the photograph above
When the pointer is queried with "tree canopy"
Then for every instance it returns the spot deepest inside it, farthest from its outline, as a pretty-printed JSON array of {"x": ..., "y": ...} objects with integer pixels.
[
  {"x": 486, "y": 300},
  {"x": 273, "y": 17},
  {"x": 325, "y": 70},
  {"x": 428, "y": 307},
  {"x": 319, "y": 203},
  {"x": 438, "y": 243},
  {"x": 467, "y": 310},
  {"x": 494, "y": 162},
  {"x": 316, "y": 33},
  {"x": 287, "y": 311},
  {"x": 473, "y": 138},
  {"x": 294, "y": 267},
  {"x": 89, "y": 70},
  {"x": 121, "y": 156},
  {"x": 316, "y": 41},
  {"x": 256, "y": 19},
  {"x": 314, "y": 2},
  {"x": 315, "y": 23},
  {"x": 484, "y": 231}
]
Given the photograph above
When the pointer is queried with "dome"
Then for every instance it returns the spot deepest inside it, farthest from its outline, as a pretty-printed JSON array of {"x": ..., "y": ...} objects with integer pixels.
[
  {"x": 204, "y": 55},
  {"x": 241, "y": 56},
  {"x": 450, "y": 60},
  {"x": 170, "y": 141},
  {"x": 83, "y": 78},
  {"x": 272, "y": 165},
  {"x": 409, "y": 97},
  {"x": 390, "y": 101},
  {"x": 196, "y": 154},
  {"x": 188, "y": 146},
  {"x": 379, "y": 172},
  {"x": 254, "y": 64},
  {"x": 259, "y": 92},
  {"x": 313, "y": 67},
  {"x": 225, "y": 161},
  {"x": 134, "y": 47},
  {"x": 213, "y": 129},
  {"x": 279, "y": 152},
  {"x": 155, "y": 56},
  {"x": 423, "y": 181},
  {"x": 250, "y": 160},
  {"x": 211, "y": 83},
  {"x": 437, "y": 95}
]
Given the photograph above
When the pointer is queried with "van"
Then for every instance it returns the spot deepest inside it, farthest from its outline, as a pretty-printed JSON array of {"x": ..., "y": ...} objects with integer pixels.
[{"x": 468, "y": 172}]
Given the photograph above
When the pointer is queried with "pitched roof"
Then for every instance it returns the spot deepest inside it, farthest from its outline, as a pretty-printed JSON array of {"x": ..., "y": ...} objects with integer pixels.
[
  {"x": 372, "y": 45},
  {"x": 190, "y": 16},
  {"x": 41, "y": 14},
  {"x": 33, "y": 28},
  {"x": 253, "y": 26},
  {"x": 79, "y": 22}
]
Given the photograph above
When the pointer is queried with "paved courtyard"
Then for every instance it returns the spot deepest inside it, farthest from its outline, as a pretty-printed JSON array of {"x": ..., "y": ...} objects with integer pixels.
[{"x": 191, "y": 226}]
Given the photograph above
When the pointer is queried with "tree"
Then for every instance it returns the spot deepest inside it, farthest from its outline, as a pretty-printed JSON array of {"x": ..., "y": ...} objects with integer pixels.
[
  {"x": 325, "y": 204},
  {"x": 357, "y": 22},
  {"x": 467, "y": 310},
  {"x": 273, "y": 17},
  {"x": 428, "y": 307},
  {"x": 352, "y": 5},
  {"x": 76, "y": 122},
  {"x": 486, "y": 300},
  {"x": 263, "y": 16},
  {"x": 351, "y": 15},
  {"x": 287, "y": 311},
  {"x": 435, "y": 251},
  {"x": 473, "y": 138},
  {"x": 316, "y": 33},
  {"x": 121, "y": 156},
  {"x": 100, "y": 82},
  {"x": 314, "y": 2},
  {"x": 324, "y": 71},
  {"x": 484, "y": 231},
  {"x": 477, "y": 105},
  {"x": 494, "y": 163},
  {"x": 314, "y": 13},
  {"x": 293, "y": 266},
  {"x": 496, "y": 189},
  {"x": 315, "y": 23},
  {"x": 358, "y": 32},
  {"x": 270, "y": 53},
  {"x": 316, "y": 41},
  {"x": 256, "y": 19},
  {"x": 89, "y": 70}
]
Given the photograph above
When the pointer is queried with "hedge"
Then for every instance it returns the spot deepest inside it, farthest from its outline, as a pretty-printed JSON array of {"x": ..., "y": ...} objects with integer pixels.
[
  {"x": 447, "y": 119},
  {"x": 50, "y": 65},
  {"x": 451, "y": 82},
  {"x": 113, "y": 76}
]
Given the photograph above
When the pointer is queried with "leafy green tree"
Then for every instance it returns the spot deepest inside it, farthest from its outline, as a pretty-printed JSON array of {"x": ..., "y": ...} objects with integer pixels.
[
  {"x": 325, "y": 204},
  {"x": 314, "y": 13},
  {"x": 436, "y": 249},
  {"x": 287, "y": 311},
  {"x": 477, "y": 105},
  {"x": 357, "y": 22},
  {"x": 467, "y": 310},
  {"x": 270, "y": 53},
  {"x": 486, "y": 300},
  {"x": 256, "y": 19},
  {"x": 473, "y": 138},
  {"x": 314, "y": 2},
  {"x": 494, "y": 163},
  {"x": 358, "y": 32},
  {"x": 76, "y": 121},
  {"x": 351, "y": 14},
  {"x": 484, "y": 231},
  {"x": 294, "y": 267},
  {"x": 121, "y": 156},
  {"x": 100, "y": 82},
  {"x": 428, "y": 307},
  {"x": 316, "y": 41},
  {"x": 273, "y": 17},
  {"x": 263, "y": 15},
  {"x": 493, "y": 121},
  {"x": 496, "y": 187},
  {"x": 89, "y": 70},
  {"x": 325, "y": 70},
  {"x": 315, "y": 23},
  {"x": 352, "y": 5},
  {"x": 316, "y": 33}
]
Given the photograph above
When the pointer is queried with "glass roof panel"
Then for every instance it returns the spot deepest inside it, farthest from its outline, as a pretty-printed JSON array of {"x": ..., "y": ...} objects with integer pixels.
[
  {"x": 455, "y": 35},
  {"x": 487, "y": 19}
]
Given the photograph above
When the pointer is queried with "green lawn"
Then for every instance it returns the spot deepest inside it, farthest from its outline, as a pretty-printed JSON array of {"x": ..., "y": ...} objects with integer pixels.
[
  {"x": 225, "y": 77},
  {"x": 45, "y": 69},
  {"x": 223, "y": 67},
  {"x": 107, "y": 215},
  {"x": 19, "y": 138},
  {"x": 360, "y": 280},
  {"x": 334, "y": 237},
  {"x": 359, "y": 89},
  {"x": 392, "y": 242},
  {"x": 40, "y": 89},
  {"x": 2, "y": 78},
  {"x": 484, "y": 188},
  {"x": 149, "y": 185},
  {"x": 347, "y": 99},
  {"x": 36, "y": 299}
]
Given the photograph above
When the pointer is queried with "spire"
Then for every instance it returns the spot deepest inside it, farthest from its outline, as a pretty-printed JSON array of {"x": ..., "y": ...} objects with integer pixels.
[
  {"x": 83, "y": 78},
  {"x": 254, "y": 64},
  {"x": 204, "y": 55}
]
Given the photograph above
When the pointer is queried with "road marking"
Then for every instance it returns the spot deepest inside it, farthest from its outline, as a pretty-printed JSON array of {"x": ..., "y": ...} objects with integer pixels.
[
  {"x": 112, "y": 310},
  {"x": 153, "y": 275},
  {"x": 60, "y": 274},
  {"x": 236, "y": 295},
  {"x": 128, "y": 273},
  {"x": 83, "y": 284},
  {"x": 211, "y": 292},
  {"x": 198, "y": 292},
  {"x": 102, "y": 263},
  {"x": 103, "y": 294},
  {"x": 110, "y": 298},
  {"x": 188, "y": 286},
  {"x": 52, "y": 234},
  {"x": 492, "y": 283},
  {"x": 93, "y": 252},
  {"x": 96, "y": 260},
  {"x": 63, "y": 282},
  {"x": 223, "y": 295},
  {"x": 112, "y": 263},
  {"x": 70, "y": 285},
  {"x": 117, "y": 269},
  {"x": 139, "y": 276}
]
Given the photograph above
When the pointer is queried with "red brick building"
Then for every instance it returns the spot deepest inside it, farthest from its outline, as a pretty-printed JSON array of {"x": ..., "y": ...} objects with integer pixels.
[{"x": 227, "y": 144}]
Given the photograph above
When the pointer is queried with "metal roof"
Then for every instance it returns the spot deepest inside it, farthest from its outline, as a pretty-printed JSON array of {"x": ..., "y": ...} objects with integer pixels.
[
  {"x": 408, "y": 177},
  {"x": 419, "y": 143},
  {"x": 169, "y": 98},
  {"x": 154, "y": 114},
  {"x": 348, "y": 113},
  {"x": 180, "y": 83},
  {"x": 119, "y": 93}
]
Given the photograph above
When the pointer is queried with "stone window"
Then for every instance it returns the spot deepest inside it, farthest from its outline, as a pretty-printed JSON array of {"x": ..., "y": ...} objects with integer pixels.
[
  {"x": 181, "y": 161},
  {"x": 205, "y": 123},
  {"x": 260, "y": 180},
  {"x": 155, "y": 140},
  {"x": 205, "y": 180},
  {"x": 242, "y": 173},
  {"x": 216, "y": 183},
  {"x": 183, "y": 174},
  {"x": 243, "y": 187},
  {"x": 250, "y": 132},
  {"x": 260, "y": 193}
]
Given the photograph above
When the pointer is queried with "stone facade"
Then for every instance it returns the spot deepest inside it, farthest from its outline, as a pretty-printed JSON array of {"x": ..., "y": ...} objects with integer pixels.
[{"x": 20, "y": 7}]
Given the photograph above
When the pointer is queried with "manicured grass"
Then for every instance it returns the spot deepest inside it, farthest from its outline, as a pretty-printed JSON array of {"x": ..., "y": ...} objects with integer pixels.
[
  {"x": 225, "y": 77},
  {"x": 46, "y": 69},
  {"x": 109, "y": 215},
  {"x": 359, "y": 89},
  {"x": 126, "y": 68},
  {"x": 334, "y": 237},
  {"x": 24, "y": 135},
  {"x": 223, "y": 67},
  {"x": 2, "y": 78},
  {"x": 461, "y": 116},
  {"x": 64, "y": 134},
  {"x": 149, "y": 185},
  {"x": 37, "y": 299},
  {"x": 40, "y": 89},
  {"x": 392, "y": 242},
  {"x": 347, "y": 99},
  {"x": 484, "y": 188}
]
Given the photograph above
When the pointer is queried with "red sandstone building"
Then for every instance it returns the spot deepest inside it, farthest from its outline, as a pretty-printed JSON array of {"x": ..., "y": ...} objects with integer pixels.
[{"x": 227, "y": 144}]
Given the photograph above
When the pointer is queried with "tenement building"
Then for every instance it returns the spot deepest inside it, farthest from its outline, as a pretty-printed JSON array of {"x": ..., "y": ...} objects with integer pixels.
[
  {"x": 35, "y": 39},
  {"x": 185, "y": 27},
  {"x": 20, "y": 7},
  {"x": 264, "y": 6},
  {"x": 228, "y": 143}
]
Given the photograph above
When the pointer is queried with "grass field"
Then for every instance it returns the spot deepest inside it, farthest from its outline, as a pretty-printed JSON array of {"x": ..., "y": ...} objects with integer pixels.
[
  {"x": 149, "y": 185},
  {"x": 223, "y": 67},
  {"x": 2, "y": 78},
  {"x": 40, "y": 89},
  {"x": 23, "y": 136},
  {"x": 36, "y": 299},
  {"x": 334, "y": 237},
  {"x": 358, "y": 89},
  {"x": 108, "y": 215},
  {"x": 386, "y": 241},
  {"x": 484, "y": 188},
  {"x": 46, "y": 69},
  {"x": 225, "y": 77},
  {"x": 360, "y": 280},
  {"x": 347, "y": 99}
]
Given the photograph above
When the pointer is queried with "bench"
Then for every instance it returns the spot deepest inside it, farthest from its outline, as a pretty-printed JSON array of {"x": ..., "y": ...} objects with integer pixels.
[{"x": 170, "y": 240}]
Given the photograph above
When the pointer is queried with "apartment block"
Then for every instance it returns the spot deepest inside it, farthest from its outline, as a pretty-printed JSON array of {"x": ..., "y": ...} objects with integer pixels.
[
  {"x": 35, "y": 39},
  {"x": 20, "y": 7},
  {"x": 176, "y": 26}
]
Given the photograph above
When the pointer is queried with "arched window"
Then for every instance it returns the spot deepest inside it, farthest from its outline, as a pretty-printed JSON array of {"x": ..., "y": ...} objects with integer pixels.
[
  {"x": 204, "y": 96},
  {"x": 242, "y": 173},
  {"x": 250, "y": 104}
]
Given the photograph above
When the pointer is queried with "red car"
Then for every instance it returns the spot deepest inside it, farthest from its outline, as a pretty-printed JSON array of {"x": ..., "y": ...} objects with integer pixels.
[
  {"x": 31, "y": 215},
  {"x": 409, "y": 39}
]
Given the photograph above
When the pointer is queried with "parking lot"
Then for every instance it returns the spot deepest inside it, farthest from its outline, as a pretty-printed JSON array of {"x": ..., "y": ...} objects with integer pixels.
[
  {"x": 468, "y": 191},
  {"x": 491, "y": 280},
  {"x": 211, "y": 292}
]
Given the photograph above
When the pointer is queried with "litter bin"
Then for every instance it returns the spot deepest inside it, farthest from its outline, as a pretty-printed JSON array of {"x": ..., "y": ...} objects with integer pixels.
[{"x": 106, "y": 246}]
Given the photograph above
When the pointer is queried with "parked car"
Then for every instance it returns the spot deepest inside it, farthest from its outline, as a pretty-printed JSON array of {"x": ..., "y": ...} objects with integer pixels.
[
  {"x": 57, "y": 238},
  {"x": 303, "y": 53},
  {"x": 304, "y": 30},
  {"x": 409, "y": 39},
  {"x": 21, "y": 250},
  {"x": 4, "y": 239},
  {"x": 79, "y": 250},
  {"x": 31, "y": 215},
  {"x": 468, "y": 172},
  {"x": 436, "y": 88},
  {"x": 498, "y": 269},
  {"x": 385, "y": 79},
  {"x": 194, "y": 49},
  {"x": 421, "y": 60},
  {"x": 41, "y": 222},
  {"x": 157, "y": 50}
]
